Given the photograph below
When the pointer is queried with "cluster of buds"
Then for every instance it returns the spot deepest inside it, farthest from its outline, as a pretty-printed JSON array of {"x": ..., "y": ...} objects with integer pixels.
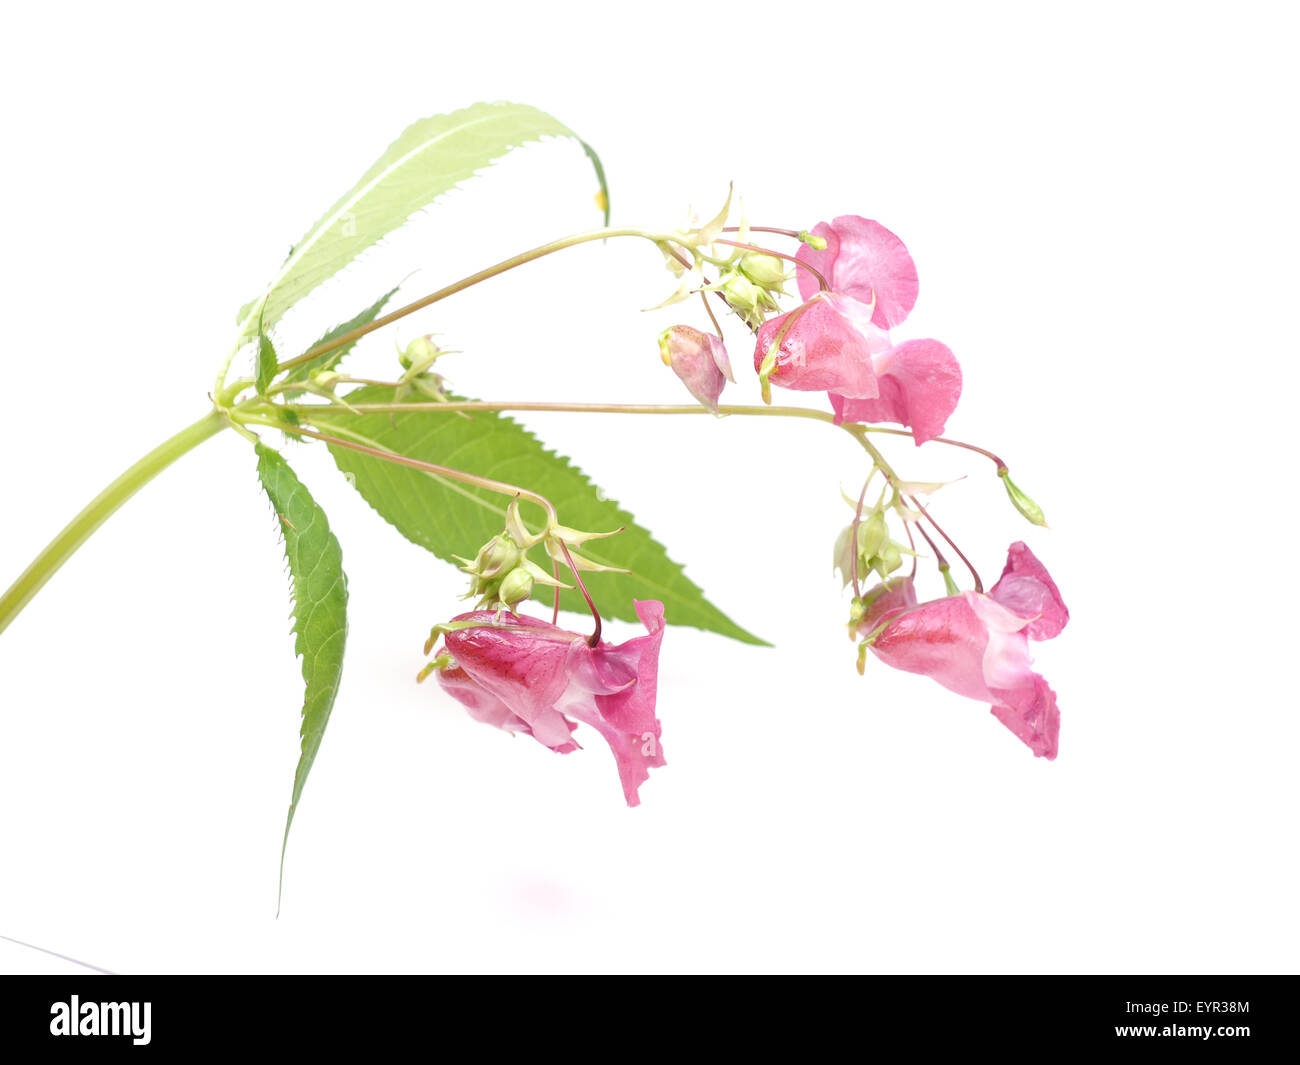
[
  {"x": 751, "y": 284},
  {"x": 877, "y": 552},
  {"x": 417, "y": 360},
  {"x": 502, "y": 575}
]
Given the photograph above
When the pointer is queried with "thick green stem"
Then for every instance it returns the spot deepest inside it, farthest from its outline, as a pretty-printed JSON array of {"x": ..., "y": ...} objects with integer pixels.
[{"x": 99, "y": 509}]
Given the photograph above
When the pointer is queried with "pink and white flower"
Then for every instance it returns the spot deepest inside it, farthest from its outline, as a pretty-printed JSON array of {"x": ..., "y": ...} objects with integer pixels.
[
  {"x": 528, "y": 676},
  {"x": 978, "y": 645}
]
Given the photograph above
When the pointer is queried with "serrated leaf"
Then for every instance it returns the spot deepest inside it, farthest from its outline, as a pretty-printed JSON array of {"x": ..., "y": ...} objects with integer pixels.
[
  {"x": 330, "y": 359},
  {"x": 320, "y": 597},
  {"x": 431, "y": 157},
  {"x": 267, "y": 361},
  {"x": 449, "y": 518}
]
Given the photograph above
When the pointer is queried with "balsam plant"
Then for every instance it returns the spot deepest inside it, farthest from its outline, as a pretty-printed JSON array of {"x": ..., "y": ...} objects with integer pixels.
[{"x": 546, "y": 530}]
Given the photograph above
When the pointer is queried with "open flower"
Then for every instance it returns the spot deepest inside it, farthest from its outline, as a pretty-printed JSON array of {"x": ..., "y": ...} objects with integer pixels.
[
  {"x": 864, "y": 260},
  {"x": 978, "y": 645},
  {"x": 525, "y": 675},
  {"x": 821, "y": 345}
]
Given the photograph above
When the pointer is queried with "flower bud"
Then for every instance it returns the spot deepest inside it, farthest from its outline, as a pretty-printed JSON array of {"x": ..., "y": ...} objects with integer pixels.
[
  {"x": 699, "y": 359},
  {"x": 1031, "y": 510},
  {"x": 747, "y": 299},
  {"x": 419, "y": 352},
  {"x": 516, "y": 587},
  {"x": 887, "y": 559},
  {"x": 766, "y": 271},
  {"x": 873, "y": 534},
  {"x": 499, "y": 555}
]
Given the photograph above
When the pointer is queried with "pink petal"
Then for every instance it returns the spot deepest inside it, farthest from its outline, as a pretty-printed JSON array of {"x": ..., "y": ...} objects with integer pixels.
[
  {"x": 864, "y": 260},
  {"x": 1032, "y": 715},
  {"x": 819, "y": 348},
  {"x": 978, "y": 648},
  {"x": 884, "y": 601},
  {"x": 485, "y": 707},
  {"x": 943, "y": 640},
  {"x": 919, "y": 382},
  {"x": 635, "y": 755},
  {"x": 522, "y": 662},
  {"x": 1027, "y": 589}
]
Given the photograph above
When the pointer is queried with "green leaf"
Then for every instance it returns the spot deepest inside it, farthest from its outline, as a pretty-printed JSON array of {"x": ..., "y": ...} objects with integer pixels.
[
  {"x": 267, "y": 360},
  {"x": 449, "y": 518},
  {"x": 330, "y": 359},
  {"x": 431, "y": 157},
  {"x": 320, "y": 598}
]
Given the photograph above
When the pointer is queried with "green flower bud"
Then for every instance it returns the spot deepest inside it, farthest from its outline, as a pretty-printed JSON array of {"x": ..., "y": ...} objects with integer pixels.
[
  {"x": 499, "y": 555},
  {"x": 419, "y": 352},
  {"x": 873, "y": 534},
  {"x": 516, "y": 587},
  {"x": 887, "y": 559},
  {"x": 766, "y": 271},
  {"x": 1031, "y": 510},
  {"x": 747, "y": 299}
]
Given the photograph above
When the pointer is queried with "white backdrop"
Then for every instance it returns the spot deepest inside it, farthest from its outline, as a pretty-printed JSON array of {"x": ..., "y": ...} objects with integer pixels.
[{"x": 1102, "y": 208}]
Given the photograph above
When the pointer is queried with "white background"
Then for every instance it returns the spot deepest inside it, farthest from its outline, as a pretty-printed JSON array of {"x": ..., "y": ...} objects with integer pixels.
[{"x": 1101, "y": 203}]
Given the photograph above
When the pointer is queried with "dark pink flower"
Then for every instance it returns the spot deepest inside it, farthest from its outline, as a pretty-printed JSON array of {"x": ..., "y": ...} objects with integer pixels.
[
  {"x": 699, "y": 359},
  {"x": 525, "y": 675},
  {"x": 820, "y": 346},
  {"x": 978, "y": 645},
  {"x": 919, "y": 382},
  {"x": 864, "y": 260}
]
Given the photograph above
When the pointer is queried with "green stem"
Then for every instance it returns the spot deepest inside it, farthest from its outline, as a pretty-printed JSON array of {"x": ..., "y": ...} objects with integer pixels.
[
  {"x": 853, "y": 428},
  {"x": 467, "y": 282},
  {"x": 99, "y": 509},
  {"x": 434, "y": 470},
  {"x": 306, "y": 410}
]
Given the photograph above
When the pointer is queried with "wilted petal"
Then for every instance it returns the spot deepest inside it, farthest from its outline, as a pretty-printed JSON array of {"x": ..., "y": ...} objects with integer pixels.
[
  {"x": 864, "y": 260},
  {"x": 919, "y": 384},
  {"x": 1027, "y": 589}
]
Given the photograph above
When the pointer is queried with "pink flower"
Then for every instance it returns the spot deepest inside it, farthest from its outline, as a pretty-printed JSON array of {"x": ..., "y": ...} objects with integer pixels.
[
  {"x": 699, "y": 359},
  {"x": 919, "y": 382},
  {"x": 529, "y": 676},
  {"x": 978, "y": 645},
  {"x": 820, "y": 345},
  {"x": 864, "y": 260}
]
